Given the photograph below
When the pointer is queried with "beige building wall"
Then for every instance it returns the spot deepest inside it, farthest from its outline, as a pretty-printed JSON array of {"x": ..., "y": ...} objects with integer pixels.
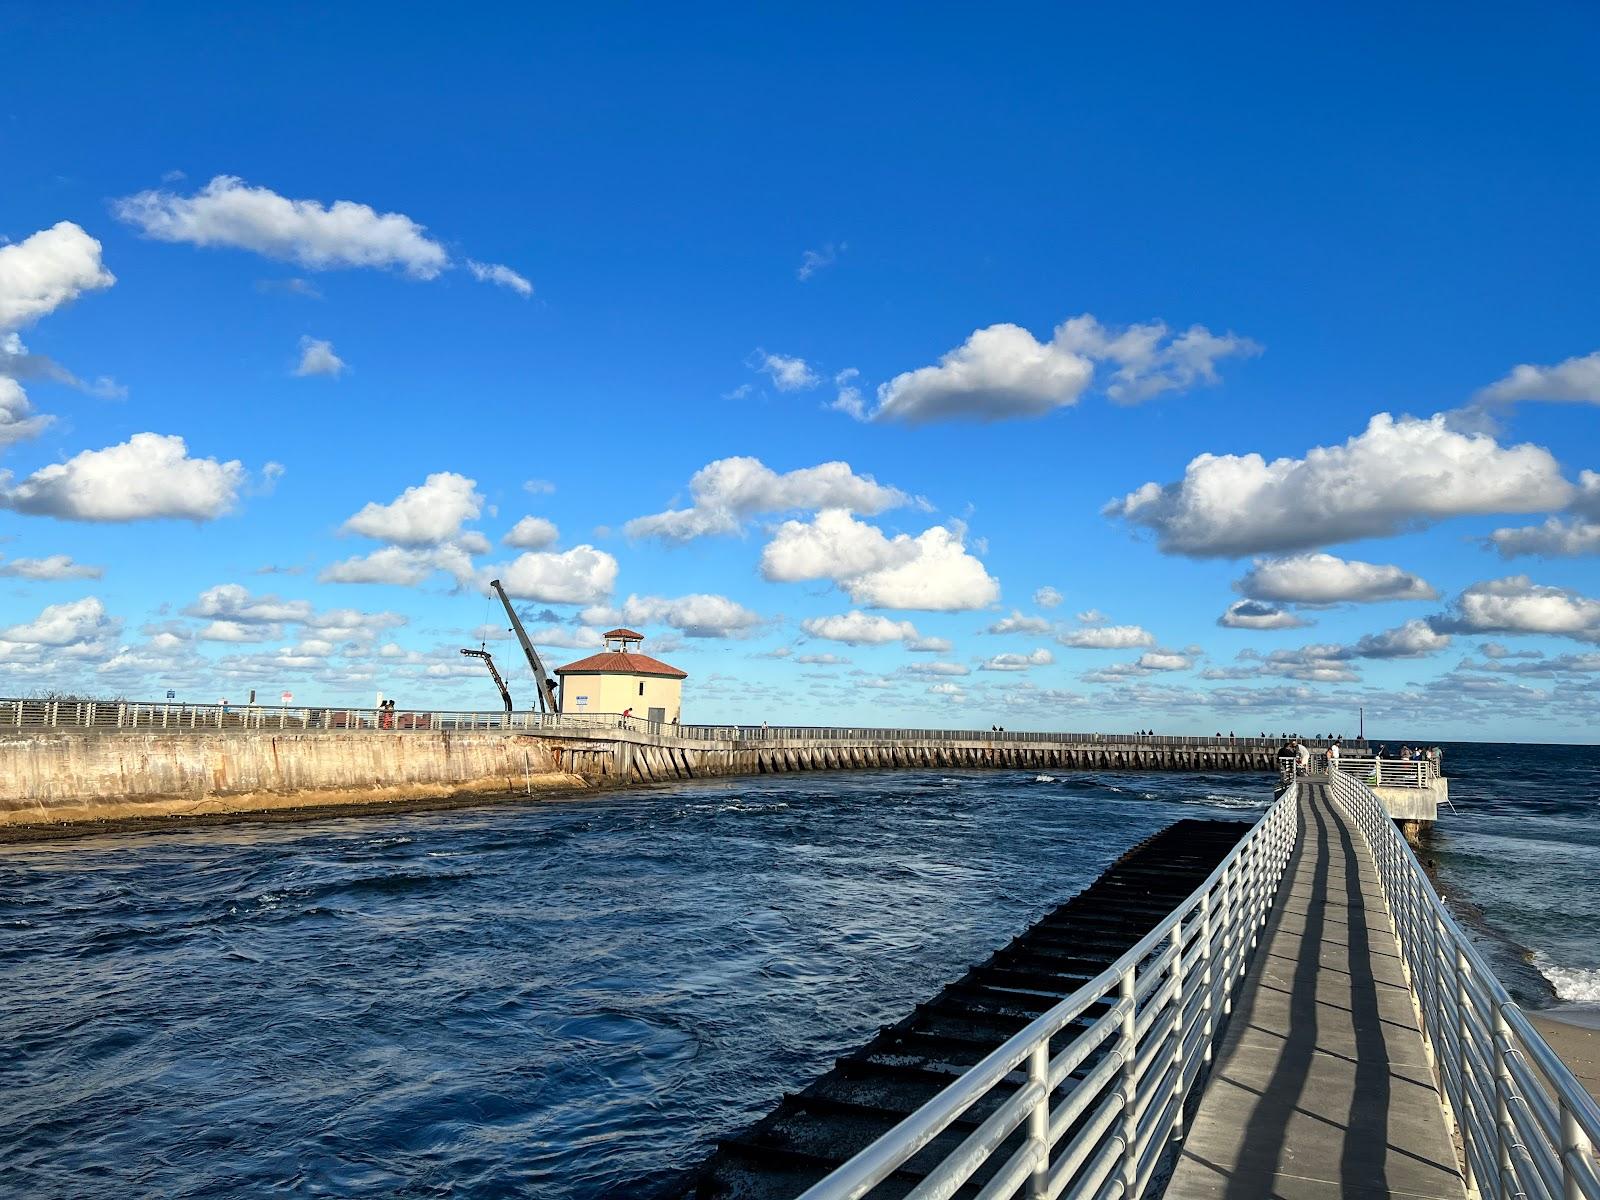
[{"x": 612, "y": 693}]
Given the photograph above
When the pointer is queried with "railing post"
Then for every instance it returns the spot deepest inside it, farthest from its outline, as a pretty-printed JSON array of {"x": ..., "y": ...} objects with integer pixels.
[
  {"x": 1503, "y": 1087},
  {"x": 1206, "y": 980},
  {"x": 1230, "y": 878},
  {"x": 1177, "y": 1028},
  {"x": 1128, "y": 1049},
  {"x": 1252, "y": 856},
  {"x": 1574, "y": 1146},
  {"x": 1464, "y": 1117},
  {"x": 1433, "y": 1014},
  {"x": 1039, "y": 1119}
]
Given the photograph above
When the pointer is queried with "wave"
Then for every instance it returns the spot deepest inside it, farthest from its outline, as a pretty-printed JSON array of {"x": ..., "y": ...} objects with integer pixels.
[
  {"x": 1575, "y": 985},
  {"x": 1044, "y": 778},
  {"x": 1218, "y": 800}
]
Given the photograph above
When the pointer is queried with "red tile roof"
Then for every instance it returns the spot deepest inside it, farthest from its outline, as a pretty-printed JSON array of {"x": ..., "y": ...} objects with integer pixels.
[
  {"x": 626, "y": 634},
  {"x": 612, "y": 662}
]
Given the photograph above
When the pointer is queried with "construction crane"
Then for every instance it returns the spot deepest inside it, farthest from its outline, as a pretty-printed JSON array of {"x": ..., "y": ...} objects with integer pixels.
[
  {"x": 547, "y": 690},
  {"x": 488, "y": 661}
]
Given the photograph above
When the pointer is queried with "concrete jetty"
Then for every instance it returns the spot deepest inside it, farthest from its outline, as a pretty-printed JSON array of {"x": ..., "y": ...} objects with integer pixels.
[
  {"x": 1366, "y": 1050},
  {"x": 1322, "y": 1086},
  {"x": 76, "y": 761}
]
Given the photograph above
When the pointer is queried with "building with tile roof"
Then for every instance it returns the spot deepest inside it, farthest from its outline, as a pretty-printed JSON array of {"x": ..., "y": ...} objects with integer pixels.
[{"x": 620, "y": 679}]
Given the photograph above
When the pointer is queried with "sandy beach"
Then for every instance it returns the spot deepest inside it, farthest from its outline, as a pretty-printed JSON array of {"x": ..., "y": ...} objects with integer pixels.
[{"x": 1575, "y": 1036}]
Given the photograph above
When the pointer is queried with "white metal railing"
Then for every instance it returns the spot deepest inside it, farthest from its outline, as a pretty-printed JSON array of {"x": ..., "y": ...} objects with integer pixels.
[
  {"x": 1099, "y": 1080},
  {"x": 1374, "y": 771},
  {"x": 128, "y": 715},
  {"x": 1527, "y": 1128},
  {"x": 175, "y": 715},
  {"x": 1390, "y": 772}
]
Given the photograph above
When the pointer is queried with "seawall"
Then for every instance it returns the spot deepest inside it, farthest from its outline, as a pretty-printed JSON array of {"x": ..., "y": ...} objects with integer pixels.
[
  {"x": 64, "y": 776},
  {"x": 72, "y": 776}
]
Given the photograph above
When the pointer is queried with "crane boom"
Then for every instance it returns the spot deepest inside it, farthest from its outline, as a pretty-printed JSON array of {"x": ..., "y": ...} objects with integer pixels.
[
  {"x": 547, "y": 697},
  {"x": 488, "y": 661}
]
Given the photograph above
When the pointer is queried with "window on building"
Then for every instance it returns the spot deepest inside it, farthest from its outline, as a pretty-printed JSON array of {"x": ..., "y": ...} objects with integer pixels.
[{"x": 641, "y": 687}]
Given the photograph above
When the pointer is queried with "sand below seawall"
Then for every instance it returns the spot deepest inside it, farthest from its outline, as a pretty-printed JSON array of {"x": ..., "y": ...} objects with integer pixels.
[{"x": 1577, "y": 1044}]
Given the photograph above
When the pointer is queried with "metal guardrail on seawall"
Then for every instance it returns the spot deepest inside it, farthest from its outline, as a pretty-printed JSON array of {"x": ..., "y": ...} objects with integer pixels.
[
  {"x": 1527, "y": 1126},
  {"x": 1101, "y": 1132},
  {"x": 112, "y": 715}
]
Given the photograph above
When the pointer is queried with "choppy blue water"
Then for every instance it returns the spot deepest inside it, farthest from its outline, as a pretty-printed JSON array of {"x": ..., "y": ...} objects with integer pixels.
[
  {"x": 557, "y": 999},
  {"x": 1522, "y": 845},
  {"x": 574, "y": 998}
]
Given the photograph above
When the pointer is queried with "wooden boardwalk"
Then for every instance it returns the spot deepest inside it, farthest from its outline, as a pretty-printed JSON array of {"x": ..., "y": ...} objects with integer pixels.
[{"x": 1322, "y": 1087}]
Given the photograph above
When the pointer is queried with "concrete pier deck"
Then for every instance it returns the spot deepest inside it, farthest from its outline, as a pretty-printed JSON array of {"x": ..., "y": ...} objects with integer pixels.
[{"x": 1322, "y": 1086}]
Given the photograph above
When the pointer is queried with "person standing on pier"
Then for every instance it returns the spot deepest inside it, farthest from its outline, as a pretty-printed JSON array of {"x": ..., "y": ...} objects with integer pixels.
[
  {"x": 1333, "y": 757},
  {"x": 1302, "y": 758}
]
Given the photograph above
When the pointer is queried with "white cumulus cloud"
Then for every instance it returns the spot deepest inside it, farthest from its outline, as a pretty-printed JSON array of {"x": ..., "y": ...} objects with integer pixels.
[
  {"x": 788, "y": 373},
  {"x": 1556, "y": 538},
  {"x": 1047, "y": 597},
  {"x": 697, "y": 616},
  {"x": 234, "y": 602},
  {"x": 1003, "y": 372},
  {"x": 317, "y": 357},
  {"x": 1515, "y": 604},
  {"x": 1326, "y": 579},
  {"x": 54, "y": 566},
  {"x": 931, "y": 571},
  {"x": 581, "y": 575},
  {"x": 229, "y": 212},
  {"x": 1107, "y": 637},
  {"x": 1149, "y": 359},
  {"x": 425, "y": 514},
  {"x": 61, "y": 624},
  {"x": 1017, "y": 622},
  {"x": 1414, "y": 639},
  {"x": 999, "y": 373},
  {"x": 1019, "y": 662},
  {"x": 18, "y": 421},
  {"x": 77, "y": 629},
  {"x": 532, "y": 533},
  {"x": 47, "y": 270},
  {"x": 857, "y": 628},
  {"x": 1395, "y": 475},
  {"x": 404, "y": 566},
  {"x": 1573, "y": 381},
  {"x": 148, "y": 476},
  {"x": 1257, "y": 614},
  {"x": 730, "y": 491}
]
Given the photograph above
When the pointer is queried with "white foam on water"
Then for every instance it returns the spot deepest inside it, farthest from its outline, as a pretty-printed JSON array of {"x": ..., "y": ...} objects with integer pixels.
[
  {"x": 1576, "y": 985},
  {"x": 1044, "y": 778}
]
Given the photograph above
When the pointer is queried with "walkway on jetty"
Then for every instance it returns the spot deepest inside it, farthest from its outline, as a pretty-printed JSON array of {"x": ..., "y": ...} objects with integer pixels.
[
  {"x": 1309, "y": 1022},
  {"x": 1322, "y": 1086}
]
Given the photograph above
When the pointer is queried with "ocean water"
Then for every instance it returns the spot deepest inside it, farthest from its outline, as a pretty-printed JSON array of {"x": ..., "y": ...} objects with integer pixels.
[
  {"x": 552, "y": 999},
  {"x": 575, "y": 998},
  {"x": 1518, "y": 855}
]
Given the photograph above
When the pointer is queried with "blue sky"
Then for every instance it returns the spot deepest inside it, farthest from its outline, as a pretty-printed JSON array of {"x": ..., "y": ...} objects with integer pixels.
[{"x": 1010, "y": 271}]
